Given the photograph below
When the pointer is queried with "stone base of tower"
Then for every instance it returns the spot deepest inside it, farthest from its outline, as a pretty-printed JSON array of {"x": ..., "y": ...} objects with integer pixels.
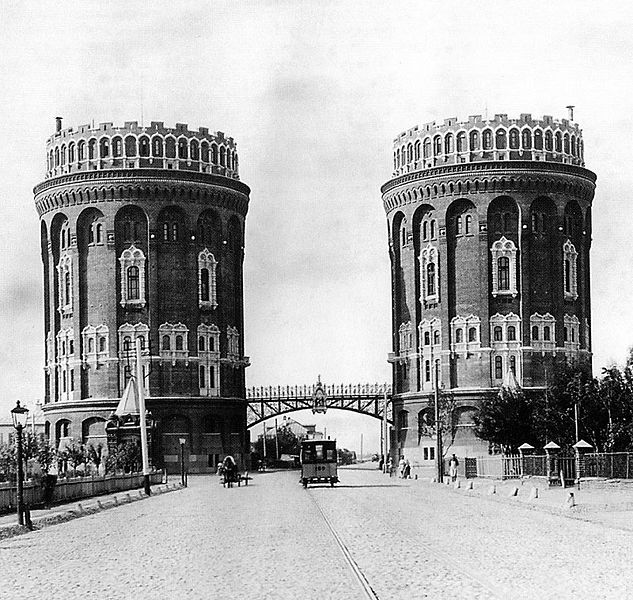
[{"x": 211, "y": 429}]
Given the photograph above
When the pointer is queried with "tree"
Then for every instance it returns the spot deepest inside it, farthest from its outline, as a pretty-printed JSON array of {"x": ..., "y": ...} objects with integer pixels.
[
  {"x": 75, "y": 454},
  {"x": 289, "y": 443},
  {"x": 46, "y": 456},
  {"x": 95, "y": 454},
  {"x": 7, "y": 461},
  {"x": 504, "y": 420},
  {"x": 448, "y": 419}
]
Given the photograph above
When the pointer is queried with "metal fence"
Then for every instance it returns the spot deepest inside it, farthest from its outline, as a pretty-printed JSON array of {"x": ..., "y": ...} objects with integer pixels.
[
  {"x": 74, "y": 488},
  {"x": 612, "y": 465}
]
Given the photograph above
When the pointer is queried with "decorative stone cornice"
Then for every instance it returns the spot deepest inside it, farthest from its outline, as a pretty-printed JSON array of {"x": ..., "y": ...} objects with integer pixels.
[
  {"x": 139, "y": 184},
  {"x": 488, "y": 177}
]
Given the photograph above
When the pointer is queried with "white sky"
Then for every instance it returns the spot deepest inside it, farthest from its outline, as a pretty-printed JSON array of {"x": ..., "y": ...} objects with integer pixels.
[{"x": 314, "y": 93}]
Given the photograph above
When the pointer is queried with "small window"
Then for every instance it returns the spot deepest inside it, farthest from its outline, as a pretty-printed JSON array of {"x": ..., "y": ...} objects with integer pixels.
[
  {"x": 166, "y": 342},
  {"x": 534, "y": 333},
  {"x": 513, "y": 365},
  {"x": 179, "y": 342},
  {"x": 427, "y": 338},
  {"x": 432, "y": 228},
  {"x": 497, "y": 334},
  {"x": 165, "y": 232},
  {"x": 546, "y": 333},
  {"x": 468, "y": 224},
  {"x": 91, "y": 345},
  {"x": 472, "y": 334},
  {"x": 174, "y": 232},
  {"x": 211, "y": 345},
  {"x": 201, "y": 344},
  {"x": 102, "y": 344},
  {"x": 459, "y": 335},
  {"x": 430, "y": 279},
  {"x": 202, "y": 378},
  {"x": 436, "y": 337},
  {"x": 565, "y": 336},
  {"x": 512, "y": 333},
  {"x": 212, "y": 377},
  {"x": 503, "y": 279},
  {"x": 127, "y": 343},
  {"x": 133, "y": 283},
  {"x": 458, "y": 225},
  {"x": 204, "y": 285},
  {"x": 498, "y": 367},
  {"x": 425, "y": 230}
]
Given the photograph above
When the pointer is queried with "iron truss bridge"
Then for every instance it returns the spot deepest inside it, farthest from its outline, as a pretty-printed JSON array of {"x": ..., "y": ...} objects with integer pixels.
[{"x": 364, "y": 398}]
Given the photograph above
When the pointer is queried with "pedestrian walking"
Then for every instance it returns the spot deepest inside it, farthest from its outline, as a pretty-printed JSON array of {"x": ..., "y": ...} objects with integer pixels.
[
  {"x": 407, "y": 469},
  {"x": 389, "y": 466},
  {"x": 453, "y": 463},
  {"x": 401, "y": 467}
]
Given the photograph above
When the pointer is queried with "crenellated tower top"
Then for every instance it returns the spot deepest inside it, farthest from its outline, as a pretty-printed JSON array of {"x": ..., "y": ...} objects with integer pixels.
[
  {"x": 90, "y": 147},
  {"x": 478, "y": 139}
]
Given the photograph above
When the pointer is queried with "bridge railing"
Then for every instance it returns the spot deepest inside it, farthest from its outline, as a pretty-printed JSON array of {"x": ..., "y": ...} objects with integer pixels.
[{"x": 350, "y": 390}]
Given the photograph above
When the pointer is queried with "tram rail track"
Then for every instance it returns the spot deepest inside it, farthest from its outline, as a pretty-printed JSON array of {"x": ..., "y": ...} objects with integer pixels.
[
  {"x": 365, "y": 586},
  {"x": 494, "y": 591}
]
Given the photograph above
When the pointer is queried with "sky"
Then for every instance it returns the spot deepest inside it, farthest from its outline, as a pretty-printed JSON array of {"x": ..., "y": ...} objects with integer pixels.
[{"x": 313, "y": 93}]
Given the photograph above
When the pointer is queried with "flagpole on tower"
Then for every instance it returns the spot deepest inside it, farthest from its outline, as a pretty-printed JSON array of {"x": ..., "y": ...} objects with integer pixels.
[{"x": 140, "y": 388}]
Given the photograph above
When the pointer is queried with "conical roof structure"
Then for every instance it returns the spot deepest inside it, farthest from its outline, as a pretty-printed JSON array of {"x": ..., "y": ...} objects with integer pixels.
[{"x": 128, "y": 405}]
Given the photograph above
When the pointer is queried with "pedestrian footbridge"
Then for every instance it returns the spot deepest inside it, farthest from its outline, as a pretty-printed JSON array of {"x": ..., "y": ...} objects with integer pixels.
[{"x": 365, "y": 398}]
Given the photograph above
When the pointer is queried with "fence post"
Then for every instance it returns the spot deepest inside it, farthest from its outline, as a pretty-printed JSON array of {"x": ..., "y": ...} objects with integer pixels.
[
  {"x": 581, "y": 448},
  {"x": 551, "y": 451},
  {"x": 525, "y": 449}
]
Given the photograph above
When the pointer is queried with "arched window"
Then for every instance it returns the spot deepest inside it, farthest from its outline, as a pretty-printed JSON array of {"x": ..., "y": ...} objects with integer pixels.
[
  {"x": 92, "y": 149},
  {"x": 417, "y": 150},
  {"x": 474, "y": 140},
  {"x": 104, "y": 148},
  {"x": 514, "y": 139},
  {"x": 432, "y": 228},
  {"x": 201, "y": 344},
  {"x": 427, "y": 338},
  {"x": 512, "y": 333},
  {"x": 182, "y": 148},
  {"x": 202, "y": 379},
  {"x": 513, "y": 365},
  {"x": 546, "y": 333},
  {"x": 214, "y": 154},
  {"x": 425, "y": 230},
  {"x": 204, "y": 285},
  {"x": 498, "y": 367},
  {"x": 549, "y": 141},
  {"x": 448, "y": 143},
  {"x": 427, "y": 370},
  {"x": 91, "y": 345},
  {"x": 102, "y": 344},
  {"x": 143, "y": 146},
  {"x": 204, "y": 152},
  {"x": 130, "y": 146},
  {"x": 404, "y": 236},
  {"x": 534, "y": 333},
  {"x": 437, "y": 145},
  {"x": 430, "y": 279},
  {"x": 127, "y": 344},
  {"x": 409, "y": 153},
  {"x": 559, "y": 141},
  {"x": 538, "y": 139},
  {"x": 67, "y": 288},
  {"x": 472, "y": 334},
  {"x": 458, "y": 225},
  {"x": 468, "y": 224},
  {"x": 81, "y": 151},
  {"x": 117, "y": 147},
  {"x": 567, "y": 275},
  {"x": 193, "y": 150},
  {"x": 436, "y": 338},
  {"x": 461, "y": 141},
  {"x": 166, "y": 342},
  {"x": 170, "y": 147},
  {"x": 222, "y": 156},
  {"x": 459, "y": 335},
  {"x": 157, "y": 146},
  {"x": 487, "y": 139},
  {"x": 566, "y": 141},
  {"x": 426, "y": 148},
  {"x": 179, "y": 342},
  {"x": 133, "y": 283},
  {"x": 174, "y": 232},
  {"x": 98, "y": 231},
  {"x": 565, "y": 334},
  {"x": 71, "y": 152},
  {"x": 503, "y": 273},
  {"x": 165, "y": 232},
  {"x": 526, "y": 139},
  {"x": 497, "y": 334},
  {"x": 501, "y": 140}
]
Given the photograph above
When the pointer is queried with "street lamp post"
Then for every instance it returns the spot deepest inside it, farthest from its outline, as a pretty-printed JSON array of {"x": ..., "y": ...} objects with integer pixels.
[
  {"x": 183, "y": 476},
  {"x": 20, "y": 416},
  {"x": 438, "y": 429}
]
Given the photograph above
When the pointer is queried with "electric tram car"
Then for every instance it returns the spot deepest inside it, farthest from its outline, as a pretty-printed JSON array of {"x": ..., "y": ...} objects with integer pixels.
[{"x": 318, "y": 462}]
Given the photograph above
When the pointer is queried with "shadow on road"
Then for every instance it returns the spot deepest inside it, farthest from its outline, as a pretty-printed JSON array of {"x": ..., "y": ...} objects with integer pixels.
[{"x": 390, "y": 485}]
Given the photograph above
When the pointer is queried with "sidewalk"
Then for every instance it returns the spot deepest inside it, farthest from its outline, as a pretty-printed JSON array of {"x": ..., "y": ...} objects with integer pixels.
[
  {"x": 60, "y": 513},
  {"x": 611, "y": 505}
]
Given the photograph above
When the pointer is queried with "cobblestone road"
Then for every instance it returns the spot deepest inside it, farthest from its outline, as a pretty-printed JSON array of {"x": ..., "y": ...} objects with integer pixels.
[{"x": 269, "y": 540}]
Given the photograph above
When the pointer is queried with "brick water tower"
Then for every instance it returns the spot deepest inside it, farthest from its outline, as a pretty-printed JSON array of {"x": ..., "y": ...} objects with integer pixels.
[
  {"x": 489, "y": 236},
  {"x": 142, "y": 235}
]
